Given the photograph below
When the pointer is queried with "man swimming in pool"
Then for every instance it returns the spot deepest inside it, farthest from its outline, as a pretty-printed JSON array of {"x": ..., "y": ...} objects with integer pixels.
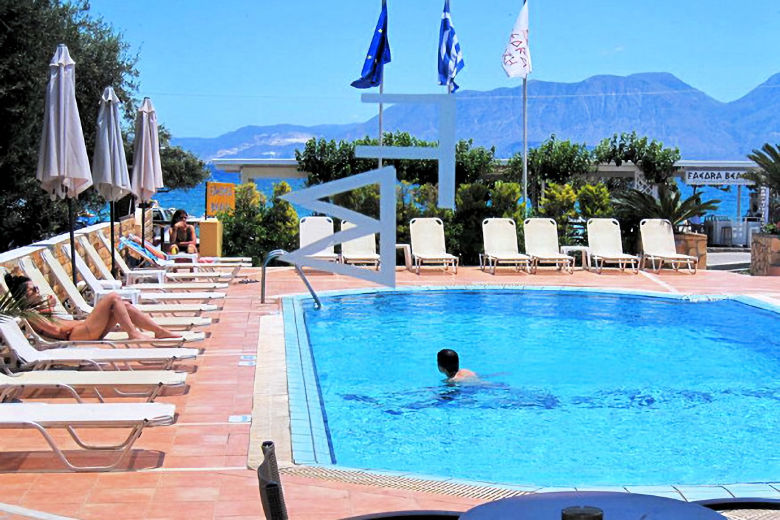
[{"x": 449, "y": 365}]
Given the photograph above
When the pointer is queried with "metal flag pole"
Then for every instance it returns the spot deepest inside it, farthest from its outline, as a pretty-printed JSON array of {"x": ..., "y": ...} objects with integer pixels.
[
  {"x": 381, "y": 91},
  {"x": 525, "y": 144}
]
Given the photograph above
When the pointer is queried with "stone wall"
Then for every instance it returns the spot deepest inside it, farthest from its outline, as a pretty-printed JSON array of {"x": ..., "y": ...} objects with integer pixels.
[
  {"x": 693, "y": 244},
  {"x": 765, "y": 255}
]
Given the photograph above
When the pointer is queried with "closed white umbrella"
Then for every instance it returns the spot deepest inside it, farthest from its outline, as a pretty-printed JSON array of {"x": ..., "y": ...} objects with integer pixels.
[
  {"x": 147, "y": 172},
  {"x": 63, "y": 165},
  {"x": 109, "y": 166}
]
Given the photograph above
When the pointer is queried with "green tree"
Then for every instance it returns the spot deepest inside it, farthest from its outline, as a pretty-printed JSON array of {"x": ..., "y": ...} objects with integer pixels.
[
  {"x": 594, "y": 201},
  {"x": 768, "y": 175},
  {"x": 471, "y": 202},
  {"x": 553, "y": 161},
  {"x": 29, "y": 34},
  {"x": 181, "y": 169},
  {"x": 243, "y": 233},
  {"x": 558, "y": 203},
  {"x": 655, "y": 161}
]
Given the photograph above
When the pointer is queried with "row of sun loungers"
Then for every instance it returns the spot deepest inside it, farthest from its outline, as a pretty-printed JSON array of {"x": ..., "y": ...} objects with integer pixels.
[
  {"x": 501, "y": 245},
  {"x": 112, "y": 367}
]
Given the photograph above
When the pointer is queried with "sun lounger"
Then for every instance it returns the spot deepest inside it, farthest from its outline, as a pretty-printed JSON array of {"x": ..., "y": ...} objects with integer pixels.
[
  {"x": 427, "y": 237},
  {"x": 136, "y": 383},
  {"x": 500, "y": 241},
  {"x": 80, "y": 305},
  {"x": 45, "y": 416},
  {"x": 606, "y": 245},
  {"x": 31, "y": 358},
  {"x": 161, "y": 274},
  {"x": 97, "y": 284},
  {"x": 144, "y": 296},
  {"x": 312, "y": 229},
  {"x": 157, "y": 258},
  {"x": 541, "y": 244},
  {"x": 658, "y": 244},
  {"x": 361, "y": 250},
  {"x": 195, "y": 257}
]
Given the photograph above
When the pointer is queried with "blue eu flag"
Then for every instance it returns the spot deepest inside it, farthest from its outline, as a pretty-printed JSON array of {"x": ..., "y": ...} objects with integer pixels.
[
  {"x": 378, "y": 55},
  {"x": 450, "y": 57}
]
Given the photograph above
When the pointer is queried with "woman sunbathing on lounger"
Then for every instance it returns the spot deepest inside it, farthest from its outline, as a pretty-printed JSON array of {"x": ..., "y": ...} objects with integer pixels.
[{"x": 110, "y": 312}]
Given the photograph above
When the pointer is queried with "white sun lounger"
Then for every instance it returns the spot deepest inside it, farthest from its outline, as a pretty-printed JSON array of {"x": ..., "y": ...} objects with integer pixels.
[
  {"x": 45, "y": 416},
  {"x": 81, "y": 307},
  {"x": 500, "y": 241},
  {"x": 541, "y": 244},
  {"x": 312, "y": 229},
  {"x": 658, "y": 244},
  {"x": 361, "y": 250},
  {"x": 606, "y": 245},
  {"x": 98, "y": 358},
  {"x": 427, "y": 237},
  {"x": 161, "y": 275},
  {"x": 144, "y": 296},
  {"x": 136, "y": 383}
]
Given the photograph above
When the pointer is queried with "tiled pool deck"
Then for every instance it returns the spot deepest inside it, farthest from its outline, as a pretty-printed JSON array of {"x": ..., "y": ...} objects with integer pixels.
[{"x": 197, "y": 468}]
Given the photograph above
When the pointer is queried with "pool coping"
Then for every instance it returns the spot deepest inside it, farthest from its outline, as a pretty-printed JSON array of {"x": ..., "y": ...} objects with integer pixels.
[{"x": 310, "y": 442}]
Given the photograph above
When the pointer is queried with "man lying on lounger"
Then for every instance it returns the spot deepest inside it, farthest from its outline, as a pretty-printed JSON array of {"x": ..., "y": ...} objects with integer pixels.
[
  {"x": 449, "y": 365},
  {"x": 108, "y": 313}
]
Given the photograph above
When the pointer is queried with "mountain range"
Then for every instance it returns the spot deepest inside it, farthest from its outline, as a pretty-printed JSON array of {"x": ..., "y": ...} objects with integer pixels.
[{"x": 657, "y": 105}]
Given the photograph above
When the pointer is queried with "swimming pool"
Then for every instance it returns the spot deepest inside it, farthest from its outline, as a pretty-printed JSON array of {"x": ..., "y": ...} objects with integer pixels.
[{"x": 579, "y": 387}]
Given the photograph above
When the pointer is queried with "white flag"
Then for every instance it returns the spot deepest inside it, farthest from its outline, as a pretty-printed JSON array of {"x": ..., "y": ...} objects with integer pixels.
[{"x": 517, "y": 56}]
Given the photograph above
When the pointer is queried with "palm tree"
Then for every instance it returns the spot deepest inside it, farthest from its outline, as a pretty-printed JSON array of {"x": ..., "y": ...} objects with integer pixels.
[
  {"x": 768, "y": 160},
  {"x": 635, "y": 205},
  {"x": 25, "y": 308}
]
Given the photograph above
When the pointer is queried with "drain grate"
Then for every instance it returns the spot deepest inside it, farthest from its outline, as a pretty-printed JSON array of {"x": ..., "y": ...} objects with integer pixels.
[{"x": 400, "y": 482}]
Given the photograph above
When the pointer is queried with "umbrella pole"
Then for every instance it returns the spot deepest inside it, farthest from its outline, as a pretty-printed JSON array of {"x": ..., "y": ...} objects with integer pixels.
[
  {"x": 111, "y": 218},
  {"x": 143, "y": 224},
  {"x": 72, "y": 241}
]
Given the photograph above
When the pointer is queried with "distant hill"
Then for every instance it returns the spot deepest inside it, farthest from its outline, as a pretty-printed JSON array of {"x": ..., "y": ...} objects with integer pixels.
[{"x": 658, "y": 105}]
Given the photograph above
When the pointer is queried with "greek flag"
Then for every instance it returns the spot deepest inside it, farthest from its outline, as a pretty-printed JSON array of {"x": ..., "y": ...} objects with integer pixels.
[
  {"x": 378, "y": 54},
  {"x": 450, "y": 57}
]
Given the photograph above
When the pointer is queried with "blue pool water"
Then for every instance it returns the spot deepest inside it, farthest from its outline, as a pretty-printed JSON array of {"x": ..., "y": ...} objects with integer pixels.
[{"x": 577, "y": 388}]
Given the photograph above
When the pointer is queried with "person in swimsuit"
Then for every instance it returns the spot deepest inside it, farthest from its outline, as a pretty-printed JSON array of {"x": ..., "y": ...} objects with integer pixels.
[
  {"x": 183, "y": 234},
  {"x": 110, "y": 312},
  {"x": 449, "y": 365}
]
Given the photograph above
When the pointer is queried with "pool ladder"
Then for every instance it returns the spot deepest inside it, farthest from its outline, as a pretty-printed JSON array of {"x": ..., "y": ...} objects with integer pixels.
[{"x": 275, "y": 254}]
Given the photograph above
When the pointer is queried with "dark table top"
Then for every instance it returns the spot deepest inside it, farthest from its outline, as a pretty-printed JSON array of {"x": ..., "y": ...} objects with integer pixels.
[{"x": 616, "y": 506}]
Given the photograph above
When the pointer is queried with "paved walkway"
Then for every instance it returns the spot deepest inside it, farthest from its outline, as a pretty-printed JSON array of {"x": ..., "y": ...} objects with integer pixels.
[{"x": 196, "y": 469}]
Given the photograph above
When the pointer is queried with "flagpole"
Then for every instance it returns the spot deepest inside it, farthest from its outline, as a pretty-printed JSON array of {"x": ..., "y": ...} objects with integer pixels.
[
  {"x": 381, "y": 91},
  {"x": 525, "y": 144}
]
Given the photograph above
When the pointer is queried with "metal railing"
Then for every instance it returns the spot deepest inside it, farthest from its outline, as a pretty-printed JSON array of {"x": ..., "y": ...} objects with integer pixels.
[{"x": 275, "y": 254}]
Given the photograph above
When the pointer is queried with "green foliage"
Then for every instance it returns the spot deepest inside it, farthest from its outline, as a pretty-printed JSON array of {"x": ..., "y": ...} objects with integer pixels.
[
  {"x": 768, "y": 174},
  {"x": 255, "y": 227},
  {"x": 594, "y": 201},
  {"x": 558, "y": 203},
  {"x": 181, "y": 169},
  {"x": 471, "y": 202},
  {"x": 655, "y": 161},
  {"x": 472, "y": 164},
  {"x": 553, "y": 161},
  {"x": 34, "y": 309}
]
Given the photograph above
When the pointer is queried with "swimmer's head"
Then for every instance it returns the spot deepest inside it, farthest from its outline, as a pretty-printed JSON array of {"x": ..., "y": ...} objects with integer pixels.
[{"x": 448, "y": 361}]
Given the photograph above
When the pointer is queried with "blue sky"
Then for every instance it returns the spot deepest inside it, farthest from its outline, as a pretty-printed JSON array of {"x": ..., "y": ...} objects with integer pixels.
[{"x": 212, "y": 67}]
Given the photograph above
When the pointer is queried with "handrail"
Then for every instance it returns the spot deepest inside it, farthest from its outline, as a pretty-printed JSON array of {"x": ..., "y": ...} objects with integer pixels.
[{"x": 275, "y": 254}]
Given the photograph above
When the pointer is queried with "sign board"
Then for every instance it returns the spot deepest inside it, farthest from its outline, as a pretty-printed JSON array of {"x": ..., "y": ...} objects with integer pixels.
[
  {"x": 700, "y": 177},
  {"x": 220, "y": 196}
]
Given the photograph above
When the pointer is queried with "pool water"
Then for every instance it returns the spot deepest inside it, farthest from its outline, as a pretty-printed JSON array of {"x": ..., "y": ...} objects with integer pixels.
[{"x": 576, "y": 388}]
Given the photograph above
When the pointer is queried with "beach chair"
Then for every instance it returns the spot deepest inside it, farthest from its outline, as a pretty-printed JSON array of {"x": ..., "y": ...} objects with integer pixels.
[
  {"x": 30, "y": 358},
  {"x": 80, "y": 305},
  {"x": 541, "y": 244},
  {"x": 98, "y": 285},
  {"x": 361, "y": 250},
  {"x": 499, "y": 237},
  {"x": 606, "y": 245},
  {"x": 658, "y": 244},
  {"x": 145, "y": 384},
  {"x": 194, "y": 257},
  {"x": 160, "y": 260},
  {"x": 427, "y": 237},
  {"x": 161, "y": 274},
  {"x": 45, "y": 416},
  {"x": 312, "y": 229}
]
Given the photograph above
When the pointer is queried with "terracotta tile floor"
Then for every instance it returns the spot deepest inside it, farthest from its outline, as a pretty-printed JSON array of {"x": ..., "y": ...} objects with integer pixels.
[{"x": 197, "y": 468}]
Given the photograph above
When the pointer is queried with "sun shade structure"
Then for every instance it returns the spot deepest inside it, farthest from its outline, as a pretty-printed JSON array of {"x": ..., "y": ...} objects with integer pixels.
[
  {"x": 63, "y": 165},
  {"x": 147, "y": 169},
  {"x": 427, "y": 237},
  {"x": 500, "y": 241},
  {"x": 541, "y": 244},
  {"x": 109, "y": 166},
  {"x": 606, "y": 245},
  {"x": 658, "y": 244}
]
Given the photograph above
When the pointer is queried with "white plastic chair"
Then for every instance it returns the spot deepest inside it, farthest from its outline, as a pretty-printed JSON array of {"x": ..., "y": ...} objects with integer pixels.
[
  {"x": 541, "y": 244},
  {"x": 500, "y": 241},
  {"x": 312, "y": 229},
  {"x": 606, "y": 245},
  {"x": 427, "y": 237},
  {"x": 361, "y": 250},
  {"x": 658, "y": 244}
]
